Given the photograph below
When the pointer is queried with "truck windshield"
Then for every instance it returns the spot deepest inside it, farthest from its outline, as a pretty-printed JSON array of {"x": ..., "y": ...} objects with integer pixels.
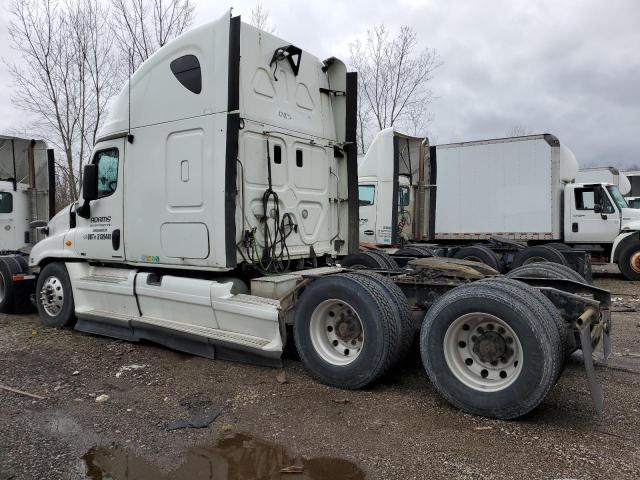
[
  {"x": 634, "y": 202},
  {"x": 617, "y": 197},
  {"x": 6, "y": 202},
  {"x": 366, "y": 194},
  {"x": 403, "y": 196}
]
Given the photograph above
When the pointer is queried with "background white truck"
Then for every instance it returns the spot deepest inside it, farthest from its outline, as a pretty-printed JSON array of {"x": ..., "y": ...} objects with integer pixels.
[
  {"x": 484, "y": 196},
  {"x": 27, "y": 200},
  {"x": 633, "y": 197},
  {"x": 610, "y": 175},
  {"x": 220, "y": 200}
]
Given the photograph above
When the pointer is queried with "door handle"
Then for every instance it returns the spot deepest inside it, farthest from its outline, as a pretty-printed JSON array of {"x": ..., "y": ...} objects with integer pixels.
[
  {"x": 368, "y": 232},
  {"x": 115, "y": 239}
]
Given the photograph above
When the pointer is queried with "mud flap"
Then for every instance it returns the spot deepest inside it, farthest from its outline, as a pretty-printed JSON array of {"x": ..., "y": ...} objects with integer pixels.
[{"x": 595, "y": 388}]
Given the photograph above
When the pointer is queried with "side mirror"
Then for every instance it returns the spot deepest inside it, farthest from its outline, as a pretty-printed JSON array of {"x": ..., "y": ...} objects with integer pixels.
[
  {"x": 597, "y": 208},
  {"x": 90, "y": 182}
]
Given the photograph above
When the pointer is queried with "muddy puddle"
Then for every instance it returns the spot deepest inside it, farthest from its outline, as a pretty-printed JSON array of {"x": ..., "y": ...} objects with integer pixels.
[{"x": 238, "y": 457}]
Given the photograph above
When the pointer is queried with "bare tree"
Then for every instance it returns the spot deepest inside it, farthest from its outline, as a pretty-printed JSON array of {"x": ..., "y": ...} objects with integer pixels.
[
  {"x": 143, "y": 26},
  {"x": 260, "y": 18},
  {"x": 60, "y": 77},
  {"x": 393, "y": 77},
  {"x": 519, "y": 130}
]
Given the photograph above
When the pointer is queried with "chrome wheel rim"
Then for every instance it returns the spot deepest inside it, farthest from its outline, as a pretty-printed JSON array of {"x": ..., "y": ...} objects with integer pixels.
[
  {"x": 336, "y": 332},
  {"x": 483, "y": 352},
  {"x": 635, "y": 262},
  {"x": 52, "y": 296},
  {"x": 2, "y": 287}
]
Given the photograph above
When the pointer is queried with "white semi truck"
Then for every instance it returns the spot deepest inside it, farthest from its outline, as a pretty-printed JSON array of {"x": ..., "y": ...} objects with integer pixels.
[
  {"x": 27, "y": 201},
  {"x": 220, "y": 201},
  {"x": 507, "y": 202}
]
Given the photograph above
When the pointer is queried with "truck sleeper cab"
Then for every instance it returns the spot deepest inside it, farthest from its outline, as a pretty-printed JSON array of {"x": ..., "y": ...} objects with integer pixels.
[{"x": 215, "y": 223}]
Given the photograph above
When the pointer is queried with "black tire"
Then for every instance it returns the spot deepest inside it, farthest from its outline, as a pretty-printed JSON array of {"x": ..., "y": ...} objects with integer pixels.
[
  {"x": 540, "y": 341},
  {"x": 366, "y": 259},
  {"x": 386, "y": 258},
  {"x": 427, "y": 251},
  {"x": 410, "y": 251},
  {"x": 479, "y": 253},
  {"x": 558, "y": 246},
  {"x": 537, "y": 298},
  {"x": 402, "y": 312},
  {"x": 9, "y": 266},
  {"x": 538, "y": 253},
  {"x": 65, "y": 317},
  {"x": 380, "y": 330},
  {"x": 629, "y": 261},
  {"x": 547, "y": 270}
]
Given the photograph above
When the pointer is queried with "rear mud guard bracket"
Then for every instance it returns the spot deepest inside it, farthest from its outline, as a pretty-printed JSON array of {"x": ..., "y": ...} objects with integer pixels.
[{"x": 595, "y": 389}]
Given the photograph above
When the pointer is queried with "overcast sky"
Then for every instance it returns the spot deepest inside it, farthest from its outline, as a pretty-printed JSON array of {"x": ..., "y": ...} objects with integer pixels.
[{"x": 571, "y": 68}]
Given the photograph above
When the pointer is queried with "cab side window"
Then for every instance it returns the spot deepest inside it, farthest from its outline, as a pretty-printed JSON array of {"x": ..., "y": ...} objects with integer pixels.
[
  {"x": 587, "y": 198},
  {"x": 6, "y": 202},
  {"x": 107, "y": 161},
  {"x": 187, "y": 70}
]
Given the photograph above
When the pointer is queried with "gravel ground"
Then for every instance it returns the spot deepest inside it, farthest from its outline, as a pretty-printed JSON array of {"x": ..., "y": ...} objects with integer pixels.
[{"x": 400, "y": 428}]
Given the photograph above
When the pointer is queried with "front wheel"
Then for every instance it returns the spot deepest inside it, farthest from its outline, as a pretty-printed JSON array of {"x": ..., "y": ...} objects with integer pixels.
[
  {"x": 629, "y": 261},
  {"x": 54, "y": 296}
]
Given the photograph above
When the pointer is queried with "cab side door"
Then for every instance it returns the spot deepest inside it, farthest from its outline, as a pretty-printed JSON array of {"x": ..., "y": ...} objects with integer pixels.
[
  {"x": 368, "y": 215},
  {"x": 99, "y": 237},
  {"x": 594, "y": 217}
]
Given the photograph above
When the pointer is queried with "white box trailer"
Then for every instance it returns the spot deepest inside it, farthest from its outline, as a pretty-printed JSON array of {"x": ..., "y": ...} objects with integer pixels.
[
  {"x": 478, "y": 198},
  {"x": 217, "y": 210},
  {"x": 27, "y": 201},
  {"x": 510, "y": 188}
]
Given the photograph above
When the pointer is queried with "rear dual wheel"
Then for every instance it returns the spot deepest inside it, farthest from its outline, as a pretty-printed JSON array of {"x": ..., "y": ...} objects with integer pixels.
[
  {"x": 14, "y": 298},
  {"x": 546, "y": 270},
  {"x": 491, "y": 349},
  {"x": 375, "y": 259},
  {"x": 480, "y": 253},
  {"x": 538, "y": 253},
  {"x": 347, "y": 330}
]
